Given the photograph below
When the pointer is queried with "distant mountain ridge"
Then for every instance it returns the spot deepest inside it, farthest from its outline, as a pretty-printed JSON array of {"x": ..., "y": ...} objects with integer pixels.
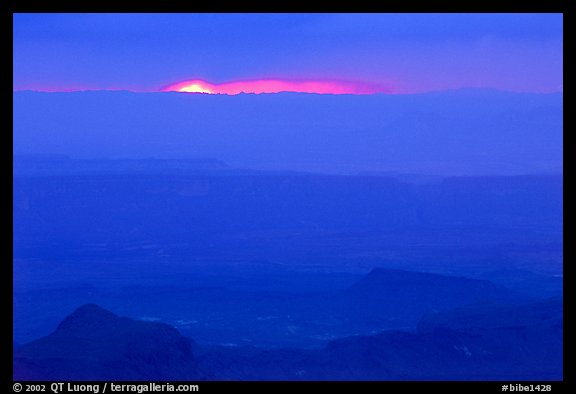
[
  {"x": 65, "y": 165},
  {"x": 408, "y": 295},
  {"x": 444, "y": 290},
  {"x": 468, "y": 132}
]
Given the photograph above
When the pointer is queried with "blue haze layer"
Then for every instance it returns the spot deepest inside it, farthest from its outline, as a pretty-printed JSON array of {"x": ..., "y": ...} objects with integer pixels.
[{"x": 162, "y": 236}]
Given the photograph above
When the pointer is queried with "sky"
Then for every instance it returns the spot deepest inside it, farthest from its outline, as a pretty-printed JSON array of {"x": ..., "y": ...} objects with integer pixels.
[{"x": 324, "y": 53}]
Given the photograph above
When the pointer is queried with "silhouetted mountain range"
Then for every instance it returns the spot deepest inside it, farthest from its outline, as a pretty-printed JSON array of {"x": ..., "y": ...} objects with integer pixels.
[
  {"x": 95, "y": 344},
  {"x": 74, "y": 232}
]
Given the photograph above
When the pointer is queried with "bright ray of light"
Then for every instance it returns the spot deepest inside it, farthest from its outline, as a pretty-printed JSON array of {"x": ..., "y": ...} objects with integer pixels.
[
  {"x": 196, "y": 86},
  {"x": 276, "y": 86}
]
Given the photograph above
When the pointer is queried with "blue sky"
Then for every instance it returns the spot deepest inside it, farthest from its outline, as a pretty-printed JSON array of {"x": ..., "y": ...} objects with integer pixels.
[{"x": 409, "y": 52}]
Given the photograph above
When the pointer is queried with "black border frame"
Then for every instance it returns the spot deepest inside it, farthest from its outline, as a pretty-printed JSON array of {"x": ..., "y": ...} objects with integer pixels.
[{"x": 566, "y": 7}]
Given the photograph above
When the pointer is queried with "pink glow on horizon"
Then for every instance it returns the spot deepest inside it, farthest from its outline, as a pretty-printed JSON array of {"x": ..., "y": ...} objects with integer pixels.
[{"x": 276, "y": 86}]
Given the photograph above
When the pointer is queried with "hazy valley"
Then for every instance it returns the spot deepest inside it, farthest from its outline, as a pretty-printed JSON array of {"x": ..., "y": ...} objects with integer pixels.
[{"x": 207, "y": 248}]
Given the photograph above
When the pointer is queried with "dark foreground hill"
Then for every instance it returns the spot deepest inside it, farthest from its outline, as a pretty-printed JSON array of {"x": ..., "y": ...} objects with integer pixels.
[
  {"x": 96, "y": 344},
  {"x": 93, "y": 343}
]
